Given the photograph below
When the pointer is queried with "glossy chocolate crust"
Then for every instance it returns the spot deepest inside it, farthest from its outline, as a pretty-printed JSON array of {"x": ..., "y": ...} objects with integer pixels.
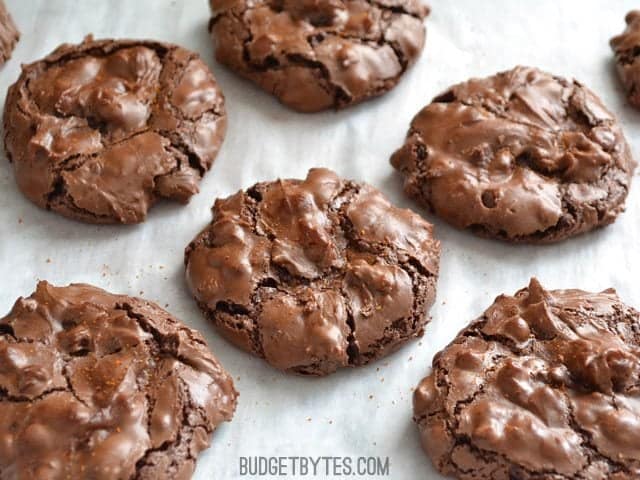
[
  {"x": 544, "y": 385},
  {"x": 9, "y": 34},
  {"x": 316, "y": 274},
  {"x": 100, "y": 386},
  {"x": 626, "y": 48},
  {"x": 101, "y": 130},
  {"x": 521, "y": 156},
  {"x": 319, "y": 54}
]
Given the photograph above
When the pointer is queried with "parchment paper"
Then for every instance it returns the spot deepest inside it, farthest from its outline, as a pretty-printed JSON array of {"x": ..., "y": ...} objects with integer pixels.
[{"x": 364, "y": 411}]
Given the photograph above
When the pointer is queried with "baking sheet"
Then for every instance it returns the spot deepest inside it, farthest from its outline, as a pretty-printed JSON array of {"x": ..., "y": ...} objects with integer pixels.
[{"x": 358, "y": 412}]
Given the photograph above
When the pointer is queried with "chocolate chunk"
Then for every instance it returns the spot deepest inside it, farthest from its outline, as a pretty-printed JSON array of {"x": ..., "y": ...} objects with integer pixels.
[
  {"x": 9, "y": 34},
  {"x": 102, "y": 386},
  {"x": 319, "y": 54},
  {"x": 543, "y": 385},
  {"x": 100, "y": 131},
  {"x": 314, "y": 274},
  {"x": 521, "y": 156},
  {"x": 626, "y": 48}
]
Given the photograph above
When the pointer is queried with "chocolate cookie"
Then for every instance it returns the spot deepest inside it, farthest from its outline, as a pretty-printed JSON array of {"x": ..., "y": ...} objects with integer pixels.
[
  {"x": 102, "y": 386},
  {"x": 626, "y": 48},
  {"x": 543, "y": 385},
  {"x": 319, "y": 54},
  {"x": 101, "y": 130},
  {"x": 521, "y": 156},
  {"x": 314, "y": 274},
  {"x": 9, "y": 34}
]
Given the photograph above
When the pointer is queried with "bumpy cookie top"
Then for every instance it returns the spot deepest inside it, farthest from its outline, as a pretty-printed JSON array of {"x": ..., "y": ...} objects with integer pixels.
[
  {"x": 102, "y": 386},
  {"x": 319, "y": 54},
  {"x": 314, "y": 274},
  {"x": 545, "y": 382},
  {"x": 9, "y": 34},
  {"x": 521, "y": 156},
  {"x": 626, "y": 48},
  {"x": 99, "y": 131}
]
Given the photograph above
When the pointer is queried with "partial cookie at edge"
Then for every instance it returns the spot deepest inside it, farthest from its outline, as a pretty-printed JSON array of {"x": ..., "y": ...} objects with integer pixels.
[
  {"x": 9, "y": 34},
  {"x": 543, "y": 385},
  {"x": 626, "y": 48},
  {"x": 95, "y": 385}
]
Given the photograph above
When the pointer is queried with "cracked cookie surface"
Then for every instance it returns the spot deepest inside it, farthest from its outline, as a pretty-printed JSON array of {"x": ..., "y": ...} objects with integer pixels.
[
  {"x": 101, "y": 386},
  {"x": 543, "y": 385},
  {"x": 319, "y": 54},
  {"x": 316, "y": 274},
  {"x": 9, "y": 34},
  {"x": 521, "y": 156},
  {"x": 101, "y": 130},
  {"x": 626, "y": 48}
]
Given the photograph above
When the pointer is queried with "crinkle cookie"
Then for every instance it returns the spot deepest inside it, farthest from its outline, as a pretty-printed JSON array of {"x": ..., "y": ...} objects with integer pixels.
[
  {"x": 101, "y": 386},
  {"x": 316, "y": 274},
  {"x": 543, "y": 385},
  {"x": 521, "y": 156},
  {"x": 102, "y": 130},
  {"x": 319, "y": 54}
]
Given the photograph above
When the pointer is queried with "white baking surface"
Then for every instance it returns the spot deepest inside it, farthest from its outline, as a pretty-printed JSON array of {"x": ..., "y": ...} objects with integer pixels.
[{"x": 364, "y": 411}]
